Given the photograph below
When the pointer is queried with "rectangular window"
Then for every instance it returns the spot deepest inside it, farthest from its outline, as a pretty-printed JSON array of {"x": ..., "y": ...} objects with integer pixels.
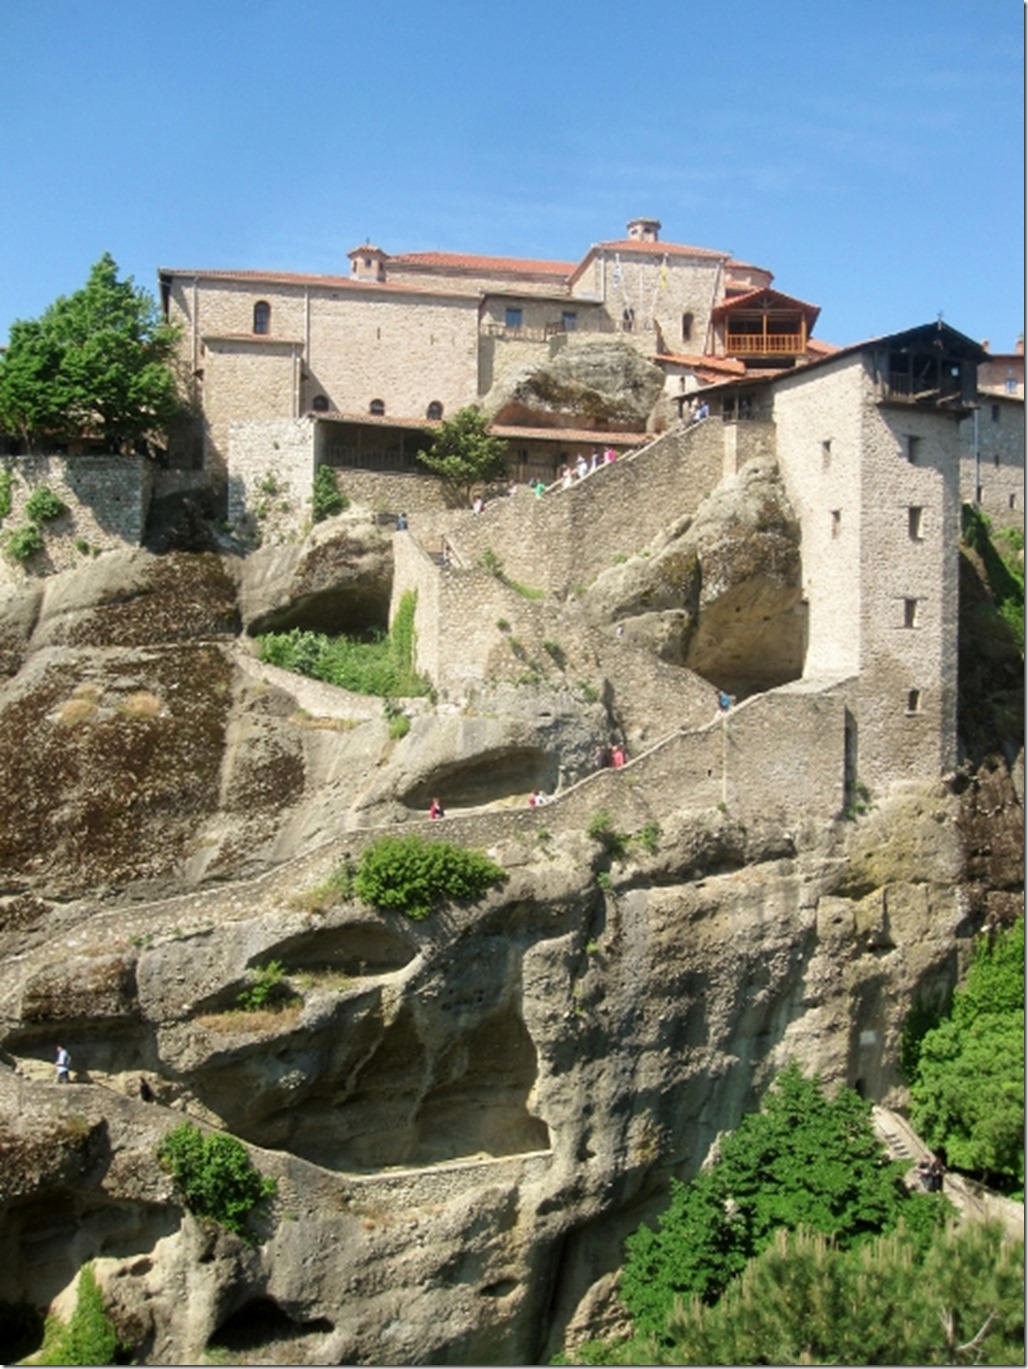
[
  {"x": 913, "y": 701},
  {"x": 995, "y": 413},
  {"x": 910, "y": 613},
  {"x": 569, "y": 320},
  {"x": 513, "y": 318},
  {"x": 915, "y": 522},
  {"x": 913, "y": 446},
  {"x": 826, "y": 454},
  {"x": 836, "y": 521},
  {"x": 1011, "y": 501},
  {"x": 995, "y": 459}
]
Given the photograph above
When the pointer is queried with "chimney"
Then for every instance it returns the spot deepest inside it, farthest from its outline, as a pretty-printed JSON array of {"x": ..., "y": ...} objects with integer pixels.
[
  {"x": 1019, "y": 345},
  {"x": 644, "y": 230}
]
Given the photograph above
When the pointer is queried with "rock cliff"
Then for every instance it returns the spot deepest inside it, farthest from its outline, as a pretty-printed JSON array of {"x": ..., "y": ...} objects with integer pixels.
[{"x": 465, "y": 1115}]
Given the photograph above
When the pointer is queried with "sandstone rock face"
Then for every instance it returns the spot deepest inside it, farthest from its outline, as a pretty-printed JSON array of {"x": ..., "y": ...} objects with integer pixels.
[
  {"x": 464, "y": 1115},
  {"x": 719, "y": 593},
  {"x": 602, "y": 384}
]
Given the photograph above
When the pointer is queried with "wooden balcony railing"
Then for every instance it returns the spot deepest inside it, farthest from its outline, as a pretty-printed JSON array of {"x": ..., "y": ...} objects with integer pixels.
[{"x": 764, "y": 344}]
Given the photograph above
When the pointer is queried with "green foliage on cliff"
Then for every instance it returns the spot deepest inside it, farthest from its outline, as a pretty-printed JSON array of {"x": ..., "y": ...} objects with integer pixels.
[
  {"x": 463, "y": 455},
  {"x": 383, "y": 666},
  {"x": 95, "y": 363},
  {"x": 805, "y": 1300},
  {"x": 88, "y": 1338},
  {"x": 42, "y": 505},
  {"x": 411, "y": 875},
  {"x": 803, "y": 1160},
  {"x": 326, "y": 496},
  {"x": 1002, "y": 556},
  {"x": 967, "y": 1089},
  {"x": 214, "y": 1174}
]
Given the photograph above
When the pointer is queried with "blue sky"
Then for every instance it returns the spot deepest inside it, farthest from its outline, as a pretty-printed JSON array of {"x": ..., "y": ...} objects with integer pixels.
[{"x": 869, "y": 153}]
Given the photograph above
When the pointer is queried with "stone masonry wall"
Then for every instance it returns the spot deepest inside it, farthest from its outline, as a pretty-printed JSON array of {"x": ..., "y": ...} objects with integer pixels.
[
  {"x": 909, "y": 596},
  {"x": 567, "y": 537},
  {"x": 271, "y": 473},
  {"x": 999, "y": 475},
  {"x": 107, "y": 499}
]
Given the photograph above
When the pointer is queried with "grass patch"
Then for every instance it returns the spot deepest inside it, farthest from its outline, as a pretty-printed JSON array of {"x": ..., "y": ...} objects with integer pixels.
[{"x": 383, "y": 666}]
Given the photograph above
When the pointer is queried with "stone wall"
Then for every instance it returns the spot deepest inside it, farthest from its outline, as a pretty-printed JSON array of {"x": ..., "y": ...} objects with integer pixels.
[
  {"x": 997, "y": 481},
  {"x": 566, "y": 538},
  {"x": 271, "y": 473},
  {"x": 107, "y": 499},
  {"x": 909, "y": 593}
]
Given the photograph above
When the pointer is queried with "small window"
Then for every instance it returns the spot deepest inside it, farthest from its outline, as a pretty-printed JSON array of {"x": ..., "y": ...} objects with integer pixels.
[
  {"x": 1010, "y": 385},
  {"x": 826, "y": 454},
  {"x": 910, "y": 613},
  {"x": 513, "y": 318},
  {"x": 320, "y": 405},
  {"x": 434, "y": 410},
  {"x": 836, "y": 521},
  {"x": 1011, "y": 501},
  {"x": 262, "y": 317},
  {"x": 915, "y": 522},
  {"x": 913, "y": 447},
  {"x": 627, "y": 319},
  {"x": 569, "y": 320},
  {"x": 377, "y": 407},
  {"x": 687, "y": 322},
  {"x": 995, "y": 413},
  {"x": 913, "y": 701}
]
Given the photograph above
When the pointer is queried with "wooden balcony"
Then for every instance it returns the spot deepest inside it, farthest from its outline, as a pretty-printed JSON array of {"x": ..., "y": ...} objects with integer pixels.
[{"x": 765, "y": 344}]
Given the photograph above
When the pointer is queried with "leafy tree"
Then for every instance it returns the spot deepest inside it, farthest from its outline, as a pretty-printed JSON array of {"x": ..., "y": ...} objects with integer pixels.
[
  {"x": 215, "y": 1174},
  {"x": 412, "y": 875},
  {"x": 967, "y": 1095},
  {"x": 96, "y": 362},
  {"x": 888, "y": 1301},
  {"x": 803, "y": 1160},
  {"x": 463, "y": 454}
]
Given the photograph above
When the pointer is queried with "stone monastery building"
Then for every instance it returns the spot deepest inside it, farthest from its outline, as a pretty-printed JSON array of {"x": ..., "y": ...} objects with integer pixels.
[
  {"x": 876, "y": 443},
  {"x": 416, "y": 337}
]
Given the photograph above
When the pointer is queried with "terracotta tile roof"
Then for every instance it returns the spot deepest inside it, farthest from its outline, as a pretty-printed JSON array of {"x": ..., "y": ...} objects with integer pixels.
[
  {"x": 510, "y": 431},
  {"x": 730, "y": 365},
  {"x": 658, "y": 249},
  {"x": 461, "y": 261},
  {"x": 324, "y": 282},
  {"x": 774, "y": 296}
]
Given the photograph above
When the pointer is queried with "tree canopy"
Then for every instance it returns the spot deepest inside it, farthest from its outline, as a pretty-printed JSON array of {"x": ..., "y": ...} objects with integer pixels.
[
  {"x": 890, "y": 1300},
  {"x": 803, "y": 1160},
  {"x": 463, "y": 454},
  {"x": 95, "y": 364},
  {"x": 967, "y": 1091}
]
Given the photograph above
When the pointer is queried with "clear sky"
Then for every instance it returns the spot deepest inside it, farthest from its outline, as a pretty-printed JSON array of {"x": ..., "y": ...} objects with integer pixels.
[{"x": 868, "y": 152}]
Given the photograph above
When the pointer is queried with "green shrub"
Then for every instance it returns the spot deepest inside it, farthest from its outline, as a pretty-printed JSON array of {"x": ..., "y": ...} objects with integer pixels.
[
  {"x": 214, "y": 1174},
  {"x": 266, "y": 989},
  {"x": 6, "y": 492},
  {"x": 89, "y": 1337},
  {"x": 601, "y": 828},
  {"x": 42, "y": 505},
  {"x": 555, "y": 653},
  {"x": 648, "y": 837},
  {"x": 24, "y": 542},
  {"x": 326, "y": 496},
  {"x": 412, "y": 875}
]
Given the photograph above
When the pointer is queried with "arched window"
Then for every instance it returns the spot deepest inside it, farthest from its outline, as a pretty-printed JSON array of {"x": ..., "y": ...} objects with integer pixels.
[
  {"x": 687, "y": 327},
  {"x": 377, "y": 407},
  {"x": 627, "y": 319},
  {"x": 262, "y": 317},
  {"x": 435, "y": 410},
  {"x": 320, "y": 404}
]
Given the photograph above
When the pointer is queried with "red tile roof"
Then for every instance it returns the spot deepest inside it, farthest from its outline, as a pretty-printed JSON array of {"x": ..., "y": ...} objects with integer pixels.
[
  {"x": 462, "y": 261},
  {"x": 353, "y": 283},
  {"x": 658, "y": 249},
  {"x": 773, "y": 296},
  {"x": 710, "y": 363}
]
